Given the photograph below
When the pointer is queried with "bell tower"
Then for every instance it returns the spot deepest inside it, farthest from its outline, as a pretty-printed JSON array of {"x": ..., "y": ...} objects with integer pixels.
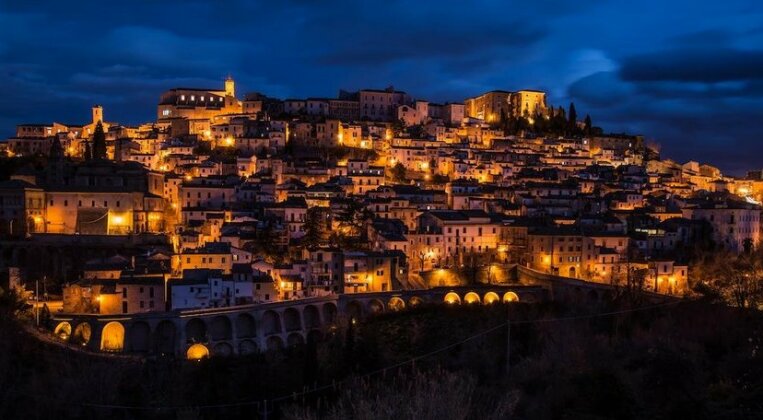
[
  {"x": 230, "y": 86},
  {"x": 97, "y": 114}
]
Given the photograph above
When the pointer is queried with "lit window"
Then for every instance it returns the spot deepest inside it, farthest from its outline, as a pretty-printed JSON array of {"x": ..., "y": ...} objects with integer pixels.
[
  {"x": 193, "y": 98},
  {"x": 166, "y": 112},
  {"x": 202, "y": 98},
  {"x": 182, "y": 97}
]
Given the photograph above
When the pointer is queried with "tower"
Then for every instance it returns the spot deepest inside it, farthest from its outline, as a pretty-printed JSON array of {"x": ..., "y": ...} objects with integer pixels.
[
  {"x": 98, "y": 114},
  {"x": 230, "y": 86}
]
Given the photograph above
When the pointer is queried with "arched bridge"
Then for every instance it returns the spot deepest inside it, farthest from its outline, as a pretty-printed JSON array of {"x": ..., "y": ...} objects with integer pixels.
[{"x": 253, "y": 328}]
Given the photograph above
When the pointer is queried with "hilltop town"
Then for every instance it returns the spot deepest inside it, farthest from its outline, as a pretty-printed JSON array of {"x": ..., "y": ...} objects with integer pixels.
[{"x": 229, "y": 200}]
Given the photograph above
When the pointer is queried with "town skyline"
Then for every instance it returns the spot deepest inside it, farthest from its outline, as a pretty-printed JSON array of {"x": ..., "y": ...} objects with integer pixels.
[{"x": 739, "y": 169}]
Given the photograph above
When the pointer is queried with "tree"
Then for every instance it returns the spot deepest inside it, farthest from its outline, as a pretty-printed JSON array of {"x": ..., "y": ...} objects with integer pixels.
[
  {"x": 737, "y": 279},
  {"x": 573, "y": 119},
  {"x": 587, "y": 125},
  {"x": 354, "y": 220},
  {"x": 471, "y": 266},
  {"x": 398, "y": 172},
  {"x": 398, "y": 126},
  {"x": 315, "y": 227},
  {"x": 417, "y": 131},
  {"x": 12, "y": 303},
  {"x": 99, "y": 143},
  {"x": 88, "y": 151},
  {"x": 265, "y": 242}
]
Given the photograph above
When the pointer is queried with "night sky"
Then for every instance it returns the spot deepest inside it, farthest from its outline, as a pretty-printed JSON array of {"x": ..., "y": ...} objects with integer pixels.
[{"x": 688, "y": 75}]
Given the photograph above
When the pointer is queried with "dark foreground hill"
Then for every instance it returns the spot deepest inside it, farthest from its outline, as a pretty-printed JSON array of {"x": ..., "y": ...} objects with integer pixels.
[{"x": 688, "y": 360}]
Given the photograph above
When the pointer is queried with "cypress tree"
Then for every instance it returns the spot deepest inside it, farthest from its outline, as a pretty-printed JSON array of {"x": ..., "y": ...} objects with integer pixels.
[
  {"x": 587, "y": 124},
  {"x": 573, "y": 118},
  {"x": 99, "y": 143},
  {"x": 314, "y": 227}
]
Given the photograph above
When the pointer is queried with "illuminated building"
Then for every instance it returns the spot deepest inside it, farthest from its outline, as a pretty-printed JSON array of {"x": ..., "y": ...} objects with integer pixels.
[
  {"x": 416, "y": 114},
  {"x": 195, "y": 103},
  {"x": 125, "y": 295},
  {"x": 22, "y": 209},
  {"x": 38, "y": 138},
  {"x": 563, "y": 251},
  {"x": 371, "y": 271},
  {"x": 734, "y": 222},
  {"x": 381, "y": 105},
  {"x": 99, "y": 197},
  {"x": 212, "y": 256},
  {"x": 449, "y": 237},
  {"x": 491, "y": 105},
  {"x": 528, "y": 102}
]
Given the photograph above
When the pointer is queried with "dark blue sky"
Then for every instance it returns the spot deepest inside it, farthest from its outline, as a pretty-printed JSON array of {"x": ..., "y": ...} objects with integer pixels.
[{"x": 687, "y": 74}]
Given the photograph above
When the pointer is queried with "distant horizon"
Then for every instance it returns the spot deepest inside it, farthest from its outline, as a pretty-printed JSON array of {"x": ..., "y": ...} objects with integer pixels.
[{"x": 738, "y": 172}]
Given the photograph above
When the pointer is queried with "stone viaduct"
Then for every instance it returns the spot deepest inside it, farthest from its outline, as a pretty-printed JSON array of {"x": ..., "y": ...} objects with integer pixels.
[
  {"x": 248, "y": 329},
  {"x": 252, "y": 328}
]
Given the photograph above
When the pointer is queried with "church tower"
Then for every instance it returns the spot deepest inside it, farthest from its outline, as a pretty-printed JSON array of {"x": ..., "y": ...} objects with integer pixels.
[
  {"x": 97, "y": 114},
  {"x": 230, "y": 86}
]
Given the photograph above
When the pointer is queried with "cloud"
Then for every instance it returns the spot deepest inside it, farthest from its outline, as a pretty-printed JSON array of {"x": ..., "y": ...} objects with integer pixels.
[
  {"x": 695, "y": 84},
  {"x": 694, "y": 65}
]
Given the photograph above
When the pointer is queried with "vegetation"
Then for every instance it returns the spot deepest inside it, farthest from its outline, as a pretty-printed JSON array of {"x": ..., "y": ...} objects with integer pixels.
[
  {"x": 688, "y": 360},
  {"x": 353, "y": 226},
  {"x": 554, "y": 122},
  {"x": 265, "y": 243},
  {"x": 316, "y": 230},
  {"x": 99, "y": 143},
  {"x": 399, "y": 173},
  {"x": 736, "y": 279},
  {"x": 11, "y": 165}
]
